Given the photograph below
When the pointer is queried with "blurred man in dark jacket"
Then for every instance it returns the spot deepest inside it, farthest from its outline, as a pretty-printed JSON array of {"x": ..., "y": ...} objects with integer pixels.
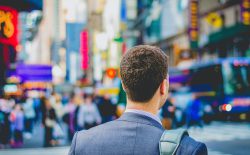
[{"x": 107, "y": 109}]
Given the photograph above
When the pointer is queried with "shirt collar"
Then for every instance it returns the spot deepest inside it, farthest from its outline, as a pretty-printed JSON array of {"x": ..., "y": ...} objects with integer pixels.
[{"x": 141, "y": 112}]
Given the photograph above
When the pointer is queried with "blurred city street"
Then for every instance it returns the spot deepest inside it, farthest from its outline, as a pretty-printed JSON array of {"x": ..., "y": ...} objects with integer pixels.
[
  {"x": 224, "y": 138},
  {"x": 60, "y": 69}
]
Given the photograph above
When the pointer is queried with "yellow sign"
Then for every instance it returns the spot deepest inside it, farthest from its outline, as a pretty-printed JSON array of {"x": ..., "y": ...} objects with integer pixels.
[
  {"x": 35, "y": 85},
  {"x": 214, "y": 19},
  {"x": 110, "y": 91},
  {"x": 245, "y": 12},
  {"x": 194, "y": 20},
  {"x": 8, "y": 27}
]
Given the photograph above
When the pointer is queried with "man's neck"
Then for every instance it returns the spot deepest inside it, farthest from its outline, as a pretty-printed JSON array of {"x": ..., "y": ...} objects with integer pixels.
[{"x": 147, "y": 106}]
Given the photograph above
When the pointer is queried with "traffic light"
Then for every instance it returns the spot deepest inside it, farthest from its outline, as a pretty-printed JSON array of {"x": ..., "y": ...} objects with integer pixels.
[{"x": 111, "y": 73}]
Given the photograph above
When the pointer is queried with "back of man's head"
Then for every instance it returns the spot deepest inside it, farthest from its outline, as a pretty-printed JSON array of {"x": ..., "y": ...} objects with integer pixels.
[{"x": 143, "y": 68}]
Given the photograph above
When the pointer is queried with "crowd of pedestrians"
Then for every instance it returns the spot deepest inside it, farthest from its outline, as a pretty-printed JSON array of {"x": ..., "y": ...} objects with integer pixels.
[{"x": 76, "y": 111}]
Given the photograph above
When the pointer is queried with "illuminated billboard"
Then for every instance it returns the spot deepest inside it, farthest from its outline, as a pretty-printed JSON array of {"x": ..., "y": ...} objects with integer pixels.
[
  {"x": 8, "y": 26},
  {"x": 193, "y": 28}
]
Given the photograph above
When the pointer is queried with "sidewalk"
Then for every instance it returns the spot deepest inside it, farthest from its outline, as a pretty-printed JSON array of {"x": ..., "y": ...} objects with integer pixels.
[
  {"x": 37, "y": 151},
  {"x": 36, "y": 141}
]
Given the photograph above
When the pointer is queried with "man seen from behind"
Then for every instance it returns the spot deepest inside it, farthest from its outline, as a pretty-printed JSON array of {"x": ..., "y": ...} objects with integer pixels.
[{"x": 144, "y": 75}]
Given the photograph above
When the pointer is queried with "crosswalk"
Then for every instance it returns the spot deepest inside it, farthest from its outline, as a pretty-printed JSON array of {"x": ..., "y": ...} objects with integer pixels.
[
  {"x": 218, "y": 131},
  {"x": 212, "y": 152}
]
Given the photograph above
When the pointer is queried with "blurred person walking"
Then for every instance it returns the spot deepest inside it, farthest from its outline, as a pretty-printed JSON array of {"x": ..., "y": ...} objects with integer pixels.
[
  {"x": 78, "y": 101},
  {"x": 29, "y": 113},
  {"x": 52, "y": 98},
  {"x": 38, "y": 111},
  {"x": 144, "y": 74},
  {"x": 17, "y": 125},
  {"x": 69, "y": 117},
  {"x": 58, "y": 107},
  {"x": 49, "y": 121},
  {"x": 65, "y": 98},
  {"x": 194, "y": 113},
  {"x": 107, "y": 109},
  {"x": 6, "y": 106},
  {"x": 88, "y": 115},
  {"x": 97, "y": 98},
  {"x": 208, "y": 113},
  {"x": 60, "y": 111}
]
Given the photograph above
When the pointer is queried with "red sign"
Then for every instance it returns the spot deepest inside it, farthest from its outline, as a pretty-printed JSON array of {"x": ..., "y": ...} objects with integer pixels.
[
  {"x": 84, "y": 49},
  {"x": 8, "y": 26}
]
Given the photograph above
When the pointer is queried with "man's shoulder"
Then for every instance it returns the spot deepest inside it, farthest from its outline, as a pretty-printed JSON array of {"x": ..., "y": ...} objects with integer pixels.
[
  {"x": 190, "y": 146},
  {"x": 118, "y": 125},
  {"x": 102, "y": 132},
  {"x": 89, "y": 138},
  {"x": 98, "y": 128},
  {"x": 120, "y": 131}
]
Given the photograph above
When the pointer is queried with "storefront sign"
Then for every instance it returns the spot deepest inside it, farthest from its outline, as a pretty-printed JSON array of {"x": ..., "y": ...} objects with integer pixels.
[
  {"x": 245, "y": 12},
  {"x": 193, "y": 29},
  {"x": 34, "y": 85},
  {"x": 34, "y": 72},
  {"x": 214, "y": 19},
  {"x": 8, "y": 26}
]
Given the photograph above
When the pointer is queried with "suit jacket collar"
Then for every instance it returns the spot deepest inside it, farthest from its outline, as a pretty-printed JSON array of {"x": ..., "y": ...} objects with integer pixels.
[{"x": 138, "y": 118}]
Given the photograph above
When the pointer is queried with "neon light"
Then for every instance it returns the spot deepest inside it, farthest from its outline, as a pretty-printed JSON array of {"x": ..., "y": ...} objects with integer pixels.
[
  {"x": 223, "y": 107},
  {"x": 84, "y": 49},
  {"x": 228, "y": 107},
  {"x": 245, "y": 12},
  {"x": 241, "y": 102},
  {"x": 193, "y": 17},
  {"x": 8, "y": 26},
  {"x": 111, "y": 72}
]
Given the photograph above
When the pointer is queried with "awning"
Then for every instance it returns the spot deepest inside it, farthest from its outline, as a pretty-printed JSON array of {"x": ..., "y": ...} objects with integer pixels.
[
  {"x": 23, "y": 5},
  {"x": 228, "y": 33}
]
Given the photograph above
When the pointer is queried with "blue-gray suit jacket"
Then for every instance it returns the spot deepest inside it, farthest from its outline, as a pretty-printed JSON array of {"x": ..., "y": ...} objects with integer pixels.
[{"x": 131, "y": 134}]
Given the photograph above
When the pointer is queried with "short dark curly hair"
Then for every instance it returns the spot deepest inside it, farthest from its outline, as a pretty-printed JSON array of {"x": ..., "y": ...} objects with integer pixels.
[{"x": 142, "y": 70}]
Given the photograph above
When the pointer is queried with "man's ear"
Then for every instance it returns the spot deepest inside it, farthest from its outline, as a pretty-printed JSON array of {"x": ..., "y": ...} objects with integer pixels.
[
  {"x": 123, "y": 87},
  {"x": 164, "y": 87}
]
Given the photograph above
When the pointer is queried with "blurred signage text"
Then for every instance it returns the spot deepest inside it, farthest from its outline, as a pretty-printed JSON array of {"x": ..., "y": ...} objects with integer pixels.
[
  {"x": 245, "y": 12},
  {"x": 34, "y": 72},
  {"x": 84, "y": 49},
  {"x": 241, "y": 102},
  {"x": 8, "y": 26},
  {"x": 193, "y": 29}
]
